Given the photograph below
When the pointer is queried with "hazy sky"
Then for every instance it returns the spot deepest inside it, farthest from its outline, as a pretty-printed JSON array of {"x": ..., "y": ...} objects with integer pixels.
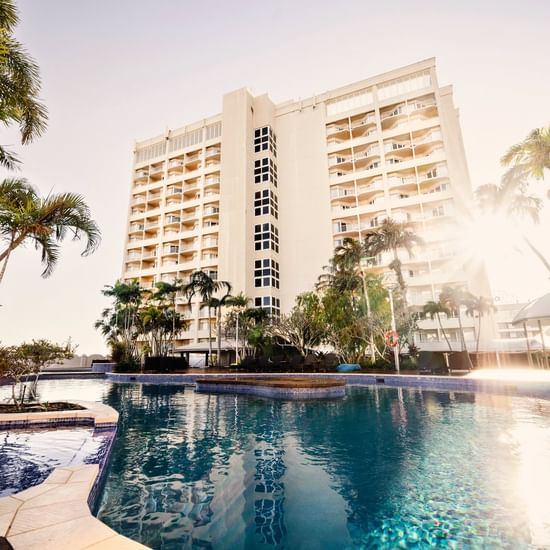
[{"x": 117, "y": 71}]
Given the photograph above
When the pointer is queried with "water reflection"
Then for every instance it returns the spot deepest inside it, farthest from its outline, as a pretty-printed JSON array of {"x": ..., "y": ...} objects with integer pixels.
[{"x": 381, "y": 468}]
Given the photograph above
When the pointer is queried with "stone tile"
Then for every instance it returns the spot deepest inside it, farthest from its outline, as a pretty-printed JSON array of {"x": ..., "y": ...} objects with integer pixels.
[
  {"x": 68, "y": 535},
  {"x": 36, "y": 491},
  {"x": 45, "y": 516},
  {"x": 5, "y": 522},
  {"x": 117, "y": 543},
  {"x": 58, "y": 476},
  {"x": 9, "y": 504},
  {"x": 85, "y": 474},
  {"x": 62, "y": 493}
]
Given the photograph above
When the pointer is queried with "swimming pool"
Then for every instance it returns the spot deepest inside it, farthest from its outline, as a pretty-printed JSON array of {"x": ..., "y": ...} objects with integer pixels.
[{"x": 380, "y": 468}]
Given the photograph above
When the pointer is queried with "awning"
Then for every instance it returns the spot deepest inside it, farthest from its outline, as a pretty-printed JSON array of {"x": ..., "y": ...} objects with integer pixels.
[
  {"x": 537, "y": 310},
  {"x": 202, "y": 347}
]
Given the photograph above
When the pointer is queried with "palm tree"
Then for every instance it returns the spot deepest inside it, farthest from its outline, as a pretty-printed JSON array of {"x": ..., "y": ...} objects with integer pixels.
[
  {"x": 205, "y": 286},
  {"x": 238, "y": 303},
  {"x": 532, "y": 155},
  {"x": 509, "y": 199},
  {"x": 121, "y": 322},
  {"x": 24, "y": 217},
  {"x": 217, "y": 304},
  {"x": 165, "y": 290},
  {"x": 19, "y": 85},
  {"x": 482, "y": 306},
  {"x": 453, "y": 298},
  {"x": 348, "y": 257},
  {"x": 434, "y": 309},
  {"x": 390, "y": 236}
]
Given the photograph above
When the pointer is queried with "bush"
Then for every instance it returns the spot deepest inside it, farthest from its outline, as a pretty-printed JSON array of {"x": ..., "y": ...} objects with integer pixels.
[{"x": 165, "y": 364}]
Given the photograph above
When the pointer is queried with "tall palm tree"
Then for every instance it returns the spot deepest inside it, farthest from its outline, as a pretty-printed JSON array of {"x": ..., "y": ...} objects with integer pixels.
[
  {"x": 205, "y": 286},
  {"x": 434, "y": 309},
  {"x": 391, "y": 236},
  {"x": 238, "y": 303},
  {"x": 217, "y": 304},
  {"x": 26, "y": 217},
  {"x": 121, "y": 321},
  {"x": 165, "y": 290},
  {"x": 348, "y": 257},
  {"x": 532, "y": 154},
  {"x": 509, "y": 199},
  {"x": 19, "y": 85},
  {"x": 482, "y": 306},
  {"x": 453, "y": 298}
]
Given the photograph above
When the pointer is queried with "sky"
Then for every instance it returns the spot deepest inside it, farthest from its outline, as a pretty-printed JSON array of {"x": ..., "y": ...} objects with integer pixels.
[{"x": 116, "y": 72}]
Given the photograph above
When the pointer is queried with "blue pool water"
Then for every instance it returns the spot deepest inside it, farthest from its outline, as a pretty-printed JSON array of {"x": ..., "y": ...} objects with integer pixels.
[{"x": 381, "y": 468}]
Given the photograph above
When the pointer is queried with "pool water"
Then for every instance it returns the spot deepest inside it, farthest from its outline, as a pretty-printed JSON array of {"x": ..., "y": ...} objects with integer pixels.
[{"x": 381, "y": 468}]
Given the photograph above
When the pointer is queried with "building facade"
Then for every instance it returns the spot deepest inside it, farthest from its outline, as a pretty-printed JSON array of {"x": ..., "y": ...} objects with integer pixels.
[{"x": 260, "y": 194}]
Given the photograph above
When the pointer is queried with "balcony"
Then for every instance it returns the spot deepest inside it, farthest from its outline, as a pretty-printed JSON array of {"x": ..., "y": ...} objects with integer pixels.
[
  {"x": 171, "y": 249},
  {"x": 149, "y": 254},
  {"x": 339, "y": 160},
  {"x": 211, "y": 211},
  {"x": 152, "y": 225},
  {"x": 186, "y": 216},
  {"x": 211, "y": 180},
  {"x": 434, "y": 174},
  {"x": 136, "y": 228},
  {"x": 172, "y": 220},
  {"x": 336, "y": 193},
  {"x": 337, "y": 129},
  {"x": 141, "y": 175},
  {"x": 210, "y": 243},
  {"x": 138, "y": 199},
  {"x": 176, "y": 164},
  {"x": 213, "y": 153}
]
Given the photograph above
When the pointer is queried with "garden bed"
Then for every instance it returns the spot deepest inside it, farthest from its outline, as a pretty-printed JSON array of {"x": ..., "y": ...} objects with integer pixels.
[
  {"x": 276, "y": 382},
  {"x": 39, "y": 407}
]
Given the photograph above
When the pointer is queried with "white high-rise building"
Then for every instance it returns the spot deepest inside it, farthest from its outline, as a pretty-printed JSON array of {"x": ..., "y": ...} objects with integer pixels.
[{"x": 260, "y": 194}]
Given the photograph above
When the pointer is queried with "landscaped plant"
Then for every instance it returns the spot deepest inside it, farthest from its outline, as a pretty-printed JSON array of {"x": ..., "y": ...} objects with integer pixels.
[{"x": 19, "y": 363}]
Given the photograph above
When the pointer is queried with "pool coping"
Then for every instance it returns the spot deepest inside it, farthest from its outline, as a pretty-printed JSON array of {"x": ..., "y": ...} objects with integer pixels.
[
  {"x": 56, "y": 514},
  {"x": 104, "y": 419},
  {"x": 94, "y": 414},
  {"x": 523, "y": 388}
]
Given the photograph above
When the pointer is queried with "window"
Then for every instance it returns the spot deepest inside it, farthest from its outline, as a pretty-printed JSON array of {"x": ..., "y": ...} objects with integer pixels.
[
  {"x": 266, "y": 236},
  {"x": 266, "y": 273},
  {"x": 439, "y": 211},
  {"x": 269, "y": 303},
  {"x": 265, "y": 202},
  {"x": 265, "y": 140},
  {"x": 265, "y": 170},
  {"x": 348, "y": 102},
  {"x": 404, "y": 85}
]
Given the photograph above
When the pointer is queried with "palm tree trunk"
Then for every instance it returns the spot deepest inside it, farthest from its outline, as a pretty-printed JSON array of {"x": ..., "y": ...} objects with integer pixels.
[
  {"x": 6, "y": 256},
  {"x": 443, "y": 331},
  {"x": 478, "y": 333},
  {"x": 209, "y": 337},
  {"x": 367, "y": 301},
  {"x": 219, "y": 327},
  {"x": 464, "y": 347},
  {"x": 534, "y": 250}
]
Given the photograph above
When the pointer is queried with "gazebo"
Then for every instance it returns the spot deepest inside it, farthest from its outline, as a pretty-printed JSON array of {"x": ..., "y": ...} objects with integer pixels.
[{"x": 536, "y": 311}]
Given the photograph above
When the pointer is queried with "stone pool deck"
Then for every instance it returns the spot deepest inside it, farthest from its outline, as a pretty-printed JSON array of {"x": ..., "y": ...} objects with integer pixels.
[{"x": 55, "y": 515}]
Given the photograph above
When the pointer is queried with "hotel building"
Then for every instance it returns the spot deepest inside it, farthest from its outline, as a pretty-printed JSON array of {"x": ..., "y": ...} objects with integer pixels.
[{"x": 260, "y": 194}]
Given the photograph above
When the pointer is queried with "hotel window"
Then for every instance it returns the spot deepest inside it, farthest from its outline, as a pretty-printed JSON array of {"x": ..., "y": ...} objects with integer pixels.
[
  {"x": 266, "y": 236},
  {"x": 265, "y": 140},
  {"x": 265, "y": 202},
  {"x": 265, "y": 171},
  {"x": 269, "y": 303},
  {"x": 439, "y": 211},
  {"x": 266, "y": 273}
]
